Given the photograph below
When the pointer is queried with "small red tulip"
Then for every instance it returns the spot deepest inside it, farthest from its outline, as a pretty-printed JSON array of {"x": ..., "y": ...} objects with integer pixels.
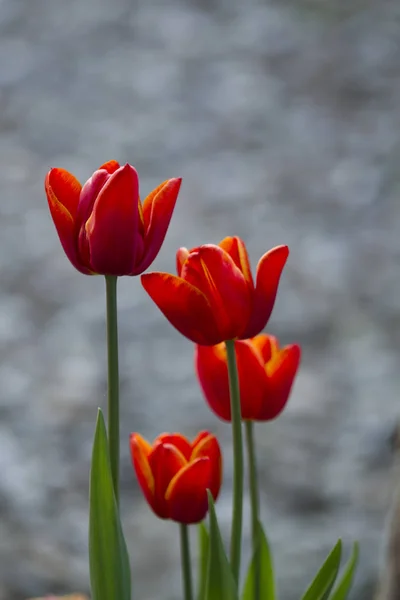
[
  {"x": 213, "y": 298},
  {"x": 174, "y": 474},
  {"x": 103, "y": 226},
  {"x": 266, "y": 375}
]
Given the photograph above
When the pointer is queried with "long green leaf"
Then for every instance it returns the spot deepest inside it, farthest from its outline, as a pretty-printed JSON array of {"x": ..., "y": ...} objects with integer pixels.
[
  {"x": 344, "y": 585},
  {"x": 267, "y": 581},
  {"x": 221, "y": 584},
  {"x": 322, "y": 585},
  {"x": 204, "y": 544},
  {"x": 108, "y": 555}
]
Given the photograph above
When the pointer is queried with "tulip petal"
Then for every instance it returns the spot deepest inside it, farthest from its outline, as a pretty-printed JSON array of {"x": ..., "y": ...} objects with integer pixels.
[
  {"x": 157, "y": 212},
  {"x": 181, "y": 257},
  {"x": 140, "y": 450},
  {"x": 279, "y": 382},
  {"x": 165, "y": 462},
  {"x": 112, "y": 229},
  {"x": 111, "y": 166},
  {"x": 269, "y": 271},
  {"x": 179, "y": 441},
  {"x": 262, "y": 344},
  {"x": 236, "y": 249},
  {"x": 63, "y": 190},
  {"x": 88, "y": 196},
  {"x": 186, "y": 495},
  {"x": 199, "y": 437},
  {"x": 212, "y": 373},
  {"x": 213, "y": 271},
  {"x": 208, "y": 446},
  {"x": 185, "y": 307}
]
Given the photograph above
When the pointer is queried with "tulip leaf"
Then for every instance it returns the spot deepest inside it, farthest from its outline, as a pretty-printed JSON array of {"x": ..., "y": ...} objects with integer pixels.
[
  {"x": 220, "y": 584},
  {"x": 204, "y": 544},
  {"x": 108, "y": 555},
  {"x": 323, "y": 583},
  {"x": 266, "y": 576},
  {"x": 343, "y": 587}
]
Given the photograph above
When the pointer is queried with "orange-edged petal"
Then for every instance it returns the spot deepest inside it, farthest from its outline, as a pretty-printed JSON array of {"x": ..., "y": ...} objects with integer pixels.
[
  {"x": 213, "y": 271},
  {"x": 140, "y": 451},
  {"x": 236, "y": 249},
  {"x": 112, "y": 229},
  {"x": 62, "y": 191},
  {"x": 185, "y": 307},
  {"x": 165, "y": 462},
  {"x": 280, "y": 380},
  {"x": 199, "y": 437},
  {"x": 212, "y": 373},
  {"x": 178, "y": 440},
  {"x": 181, "y": 257},
  {"x": 186, "y": 495},
  {"x": 111, "y": 166},
  {"x": 65, "y": 188},
  {"x": 269, "y": 272},
  {"x": 262, "y": 344},
  {"x": 208, "y": 446},
  {"x": 157, "y": 212}
]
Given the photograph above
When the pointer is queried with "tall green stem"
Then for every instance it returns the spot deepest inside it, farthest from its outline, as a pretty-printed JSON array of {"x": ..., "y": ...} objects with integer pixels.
[
  {"x": 237, "y": 511},
  {"x": 113, "y": 380},
  {"x": 186, "y": 564},
  {"x": 254, "y": 500}
]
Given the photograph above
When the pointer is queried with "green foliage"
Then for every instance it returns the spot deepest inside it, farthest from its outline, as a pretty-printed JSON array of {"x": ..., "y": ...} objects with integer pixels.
[
  {"x": 108, "y": 555},
  {"x": 343, "y": 587},
  {"x": 323, "y": 583},
  {"x": 220, "y": 584},
  {"x": 204, "y": 544},
  {"x": 266, "y": 576}
]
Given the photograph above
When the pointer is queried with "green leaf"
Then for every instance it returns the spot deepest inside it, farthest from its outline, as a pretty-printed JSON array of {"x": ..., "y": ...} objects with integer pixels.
[
  {"x": 326, "y": 576},
  {"x": 342, "y": 589},
  {"x": 204, "y": 543},
  {"x": 108, "y": 555},
  {"x": 266, "y": 577},
  {"x": 221, "y": 584}
]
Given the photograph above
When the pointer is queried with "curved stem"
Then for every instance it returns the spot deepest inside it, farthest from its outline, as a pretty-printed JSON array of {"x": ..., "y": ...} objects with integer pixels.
[
  {"x": 254, "y": 501},
  {"x": 113, "y": 380},
  {"x": 237, "y": 510},
  {"x": 186, "y": 564}
]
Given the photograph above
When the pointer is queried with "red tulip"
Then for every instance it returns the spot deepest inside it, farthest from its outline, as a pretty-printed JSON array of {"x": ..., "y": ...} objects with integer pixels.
[
  {"x": 213, "y": 298},
  {"x": 174, "y": 474},
  {"x": 103, "y": 226},
  {"x": 266, "y": 375}
]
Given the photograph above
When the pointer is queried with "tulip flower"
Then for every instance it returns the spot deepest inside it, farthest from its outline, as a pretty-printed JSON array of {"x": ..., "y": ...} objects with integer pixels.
[
  {"x": 103, "y": 226},
  {"x": 174, "y": 474},
  {"x": 214, "y": 298},
  {"x": 266, "y": 374}
]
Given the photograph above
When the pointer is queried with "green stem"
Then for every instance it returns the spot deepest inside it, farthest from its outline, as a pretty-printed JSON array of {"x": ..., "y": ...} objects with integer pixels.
[
  {"x": 113, "y": 380},
  {"x": 186, "y": 564},
  {"x": 237, "y": 510},
  {"x": 254, "y": 501}
]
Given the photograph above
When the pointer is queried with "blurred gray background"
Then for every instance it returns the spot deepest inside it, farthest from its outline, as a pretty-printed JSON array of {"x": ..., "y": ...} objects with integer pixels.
[{"x": 283, "y": 119}]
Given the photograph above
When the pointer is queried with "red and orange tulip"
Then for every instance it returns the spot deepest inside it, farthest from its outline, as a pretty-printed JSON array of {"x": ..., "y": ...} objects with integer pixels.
[
  {"x": 174, "y": 474},
  {"x": 103, "y": 226},
  {"x": 214, "y": 298},
  {"x": 266, "y": 375}
]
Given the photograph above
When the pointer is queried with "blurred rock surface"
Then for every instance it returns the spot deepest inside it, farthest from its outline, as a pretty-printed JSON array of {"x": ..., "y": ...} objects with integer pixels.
[{"x": 283, "y": 119}]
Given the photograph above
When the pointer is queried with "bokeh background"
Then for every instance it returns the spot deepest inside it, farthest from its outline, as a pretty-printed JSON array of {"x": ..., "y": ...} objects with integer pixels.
[{"x": 282, "y": 117}]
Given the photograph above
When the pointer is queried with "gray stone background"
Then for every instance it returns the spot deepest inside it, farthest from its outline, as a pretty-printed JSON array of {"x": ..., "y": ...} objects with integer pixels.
[{"x": 283, "y": 119}]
